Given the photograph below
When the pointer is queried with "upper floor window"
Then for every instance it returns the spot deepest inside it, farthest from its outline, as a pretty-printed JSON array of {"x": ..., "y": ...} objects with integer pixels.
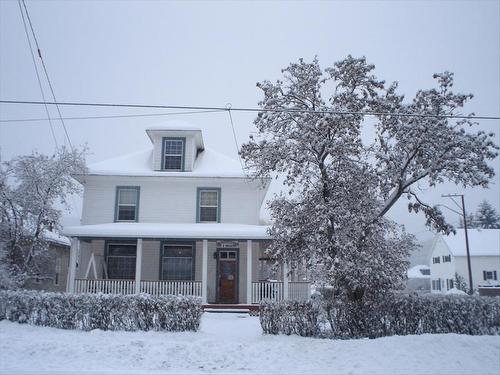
[
  {"x": 446, "y": 258},
  {"x": 173, "y": 154},
  {"x": 208, "y": 205},
  {"x": 436, "y": 260},
  {"x": 489, "y": 275},
  {"x": 127, "y": 203}
]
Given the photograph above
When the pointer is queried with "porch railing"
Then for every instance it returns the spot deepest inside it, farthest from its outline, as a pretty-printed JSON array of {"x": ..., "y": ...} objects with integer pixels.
[
  {"x": 105, "y": 286},
  {"x": 274, "y": 291},
  {"x": 185, "y": 288}
]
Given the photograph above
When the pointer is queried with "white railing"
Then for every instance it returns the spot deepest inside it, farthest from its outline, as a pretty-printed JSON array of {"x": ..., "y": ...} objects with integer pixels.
[
  {"x": 184, "y": 288},
  {"x": 112, "y": 286},
  {"x": 105, "y": 286},
  {"x": 267, "y": 291},
  {"x": 299, "y": 290},
  {"x": 274, "y": 291}
]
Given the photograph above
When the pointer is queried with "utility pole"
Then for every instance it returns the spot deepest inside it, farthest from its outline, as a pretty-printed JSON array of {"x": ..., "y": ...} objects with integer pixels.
[{"x": 466, "y": 236}]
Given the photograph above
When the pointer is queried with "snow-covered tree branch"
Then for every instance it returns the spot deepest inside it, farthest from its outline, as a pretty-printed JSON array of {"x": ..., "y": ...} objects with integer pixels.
[
  {"x": 339, "y": 189},
  {"x": 31, "y": 190}
]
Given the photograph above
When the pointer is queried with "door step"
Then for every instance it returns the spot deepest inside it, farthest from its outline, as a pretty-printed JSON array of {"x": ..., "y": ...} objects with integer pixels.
[{"x": 211, "y": 310}]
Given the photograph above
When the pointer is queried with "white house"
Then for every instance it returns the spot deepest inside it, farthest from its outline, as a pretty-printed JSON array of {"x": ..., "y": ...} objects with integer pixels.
[
  {"x": 178, "y": 218},
  {"x": 449, "y": 257}
]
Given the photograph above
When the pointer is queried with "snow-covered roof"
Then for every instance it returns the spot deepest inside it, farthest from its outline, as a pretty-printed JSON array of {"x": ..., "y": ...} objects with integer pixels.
[
  {"x": 176, "y": 127},
  {"x": 219, "y": 231},
  {"x": 416, "y": 272},
  {"x": 209, "y": 163},
  {"x": 56, "y": 238},
  {"x": 482, "y": 242}
]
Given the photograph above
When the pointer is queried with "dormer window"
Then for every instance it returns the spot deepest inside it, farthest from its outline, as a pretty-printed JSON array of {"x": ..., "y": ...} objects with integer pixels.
[{"x": 173, "y": 154}]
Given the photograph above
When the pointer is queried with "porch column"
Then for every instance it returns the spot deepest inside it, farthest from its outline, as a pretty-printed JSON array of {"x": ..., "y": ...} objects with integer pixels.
[
  {"x": 73, "y": 254},
  {"x": 204, "y": 272},
  {"x": 249, "y": 272},
  {"x": 285, "y": 280},
  {"x": 138, "y": 266}
]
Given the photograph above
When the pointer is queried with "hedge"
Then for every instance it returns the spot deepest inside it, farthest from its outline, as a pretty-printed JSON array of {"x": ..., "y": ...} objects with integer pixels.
[
  {"x": 289, "y": 317},
  {"x": 395, "y": 315},
  {"x": 102, "y": 311}
]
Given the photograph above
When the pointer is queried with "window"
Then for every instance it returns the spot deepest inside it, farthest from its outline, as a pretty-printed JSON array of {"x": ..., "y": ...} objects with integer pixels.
[
  {"x": 450, "y": 284},
  {"x": 173, "y": 154},
  {"x": 425, "y": 271},
  {"x": 57, "y": 271},
  {"x": 121, "y": 261},
  {"x": 436, "y": 284},
  {"x": 208, "y": 205},
  {"x": 490, "y": 275},
  {"x": 436, "y": 260},
  {"x": 446, "y": 258},
  {"x": 177, "y": 262},
  {"x": 127, "y": 203},
  {"x": 267, "y": 269}
]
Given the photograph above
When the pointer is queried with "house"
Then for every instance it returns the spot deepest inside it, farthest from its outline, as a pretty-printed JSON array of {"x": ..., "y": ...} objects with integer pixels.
[
  {"x": 419, "y": 279},
  {"x": 57, "y": 266},
  {"x": 449, "y": 257},
  {"x": 178, "y": 218}
]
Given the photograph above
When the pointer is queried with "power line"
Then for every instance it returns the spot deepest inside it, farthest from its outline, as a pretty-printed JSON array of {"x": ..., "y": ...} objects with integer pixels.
[
  {"x": 228, "y": 106},
  {"x": 112, "y": 116},
  {"x": 47, "y": 75},
  {"x": 36, "y": 71},
  {"x": 248, "y": 109}
]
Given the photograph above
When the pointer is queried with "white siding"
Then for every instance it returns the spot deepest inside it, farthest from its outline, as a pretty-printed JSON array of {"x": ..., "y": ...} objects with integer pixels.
[
  {"x": 478, "y": 265},
  {"x": 171, "y": 199},
  {"x": 441, "y": 271}
]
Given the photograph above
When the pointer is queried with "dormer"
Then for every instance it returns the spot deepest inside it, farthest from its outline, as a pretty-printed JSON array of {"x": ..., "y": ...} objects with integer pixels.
[{"x": 175, "y": 147}]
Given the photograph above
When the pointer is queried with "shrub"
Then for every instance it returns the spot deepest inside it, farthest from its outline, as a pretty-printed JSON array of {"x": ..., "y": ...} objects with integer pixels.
[
  {"x": 394, "y": 315},
  {"x": 289, "y": 317},
  {"x": 101, "y": 311}
]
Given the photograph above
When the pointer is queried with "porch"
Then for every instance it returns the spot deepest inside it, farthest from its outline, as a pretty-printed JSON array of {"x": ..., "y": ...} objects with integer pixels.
[
  {"x": 220, "y": 263},
  {"x": 261, "y": 290}
]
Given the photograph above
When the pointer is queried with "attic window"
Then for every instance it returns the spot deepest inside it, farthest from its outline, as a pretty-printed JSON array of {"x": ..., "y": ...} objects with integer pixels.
[{"x": 173, "y": 154}]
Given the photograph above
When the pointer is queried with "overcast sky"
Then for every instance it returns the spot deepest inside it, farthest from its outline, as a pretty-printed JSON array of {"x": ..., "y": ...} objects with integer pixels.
[{"x": 213, "y": 53}]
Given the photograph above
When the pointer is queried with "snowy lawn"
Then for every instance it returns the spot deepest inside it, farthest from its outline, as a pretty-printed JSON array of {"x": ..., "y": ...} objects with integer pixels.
[{"x": 233, "y": 343}]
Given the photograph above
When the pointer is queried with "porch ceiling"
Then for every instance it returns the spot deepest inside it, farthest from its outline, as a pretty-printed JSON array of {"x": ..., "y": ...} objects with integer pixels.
[{"x": 206, "y": 231}]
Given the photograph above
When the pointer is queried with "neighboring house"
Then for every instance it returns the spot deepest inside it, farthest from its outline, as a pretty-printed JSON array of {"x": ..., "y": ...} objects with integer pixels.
[
  {"x": 419, "y": 279},
  {"x": 59, "y": 261},
  {"x": 449, "y": 257},
  {"x": 179, "y": 218}
]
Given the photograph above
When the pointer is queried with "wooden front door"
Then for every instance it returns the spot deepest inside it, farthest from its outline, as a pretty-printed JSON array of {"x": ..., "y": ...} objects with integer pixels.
[{"x": 227, "y": 276}]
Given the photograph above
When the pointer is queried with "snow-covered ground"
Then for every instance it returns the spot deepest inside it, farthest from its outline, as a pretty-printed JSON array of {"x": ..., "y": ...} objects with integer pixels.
[{"x": 233, "y": 343}]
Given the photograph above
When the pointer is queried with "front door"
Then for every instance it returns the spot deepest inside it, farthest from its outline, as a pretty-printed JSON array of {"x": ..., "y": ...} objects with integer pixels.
[{"x": 227, "y": 276}]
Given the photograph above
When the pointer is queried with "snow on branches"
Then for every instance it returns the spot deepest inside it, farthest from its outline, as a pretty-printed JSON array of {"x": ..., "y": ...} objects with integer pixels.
[
  {"x": 339, "y": 189},
  {"x": 31, "y": 188}
]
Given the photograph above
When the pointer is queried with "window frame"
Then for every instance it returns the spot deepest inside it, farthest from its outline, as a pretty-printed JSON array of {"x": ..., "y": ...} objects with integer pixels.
[
  {"x": 493, "y": 275},
  {"x": 163, "y": 244},
  {"x": 198, "y": 203},
  {"x": 436, "y": 260},
  {"x": 117, "y": 201},
  {"x": 183, "y": 154},
  {"x": 446, "y": 258},
  {"x": 106, "y": 255}
]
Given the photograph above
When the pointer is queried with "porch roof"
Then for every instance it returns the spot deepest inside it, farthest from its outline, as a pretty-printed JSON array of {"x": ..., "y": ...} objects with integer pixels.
[{"x": 208, "y": 231}]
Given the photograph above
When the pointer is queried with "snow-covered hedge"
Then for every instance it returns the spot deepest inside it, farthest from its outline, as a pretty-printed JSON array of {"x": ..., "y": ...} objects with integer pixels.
[
  {"x": 413, "y": 314},
  {"x": 101, "y": 311},
  {"x": 289, "y": 317},
  {"x": 398, "y": 315}
]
